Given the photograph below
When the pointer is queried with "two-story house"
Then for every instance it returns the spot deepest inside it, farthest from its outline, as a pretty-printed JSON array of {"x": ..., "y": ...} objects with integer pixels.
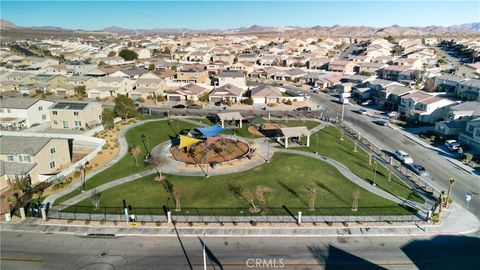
[
  {"x": 75, "y": 115},
  {"x": 110, "y": 87},
  {"x": 23, "y": 112},
  {"x": 234, "y": 77},
  {"x": 33, "y": 157}
]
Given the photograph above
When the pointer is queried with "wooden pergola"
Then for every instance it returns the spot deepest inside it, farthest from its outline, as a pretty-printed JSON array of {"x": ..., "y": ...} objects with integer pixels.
[
  {"x": 230, "y": 116},
  {"x": 293, "y": 132}
]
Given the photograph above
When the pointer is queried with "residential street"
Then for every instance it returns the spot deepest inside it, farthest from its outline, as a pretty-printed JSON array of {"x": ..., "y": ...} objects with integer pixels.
[
  {"x": 440, "y": 169},
  {"x": 27, "y": 251}
]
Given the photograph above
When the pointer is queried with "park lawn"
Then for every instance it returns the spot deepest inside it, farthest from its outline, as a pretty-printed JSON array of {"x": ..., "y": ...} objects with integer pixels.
[
  {"x": 286, "y": 176},
  {"x": 156, "y": 132},
  {"x": 330, "y": 145}
]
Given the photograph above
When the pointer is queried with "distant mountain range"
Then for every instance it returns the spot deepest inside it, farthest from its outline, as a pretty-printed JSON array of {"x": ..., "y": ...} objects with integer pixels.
[{"x": 336, "y": 30}]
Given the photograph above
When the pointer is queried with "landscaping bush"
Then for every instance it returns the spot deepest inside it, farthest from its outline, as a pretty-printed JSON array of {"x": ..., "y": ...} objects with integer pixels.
[
  {"x": 158, "y": 223},
  {"x": 70, "y": 221},
  {"x": 221, "y": 224},
  {"x": 190, "y": 102},
  {"x": 142, "y": 222},
  {"x": 247, "y": 101},
  {"x": 141, "y": 100},
  {"x": 103, "y": 221},
  {"x": 234, "y": 223},
  {"x": 87, "y": 222},
  {"x": 160, "y": 98},
  {"x": 115, "y": 222},
  {"x": 288, "y": 102},
  {"x": 467, "y": 157},
  {"x": 272, "y": 104},
  {"x": 190, "y": 224},
  {"x": 253, "y": 223},
  {"x": 205, "y": 223}
]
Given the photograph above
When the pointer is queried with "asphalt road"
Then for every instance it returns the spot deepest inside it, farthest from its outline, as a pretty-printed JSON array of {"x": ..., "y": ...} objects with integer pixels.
[
  {"x": 439, "y": 168},
  {"x": 43, "y": 251}
]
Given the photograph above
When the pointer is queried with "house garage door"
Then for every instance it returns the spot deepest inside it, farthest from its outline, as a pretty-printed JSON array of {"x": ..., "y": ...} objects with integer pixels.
[{"x": 174, "y": 98}]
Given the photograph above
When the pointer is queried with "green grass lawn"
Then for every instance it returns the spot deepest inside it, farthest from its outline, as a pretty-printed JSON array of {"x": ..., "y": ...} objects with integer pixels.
[
  {"x": 156, "y": 132},
  {"x": 285, "y": 177},
  {"x": 330, "y": 145}
]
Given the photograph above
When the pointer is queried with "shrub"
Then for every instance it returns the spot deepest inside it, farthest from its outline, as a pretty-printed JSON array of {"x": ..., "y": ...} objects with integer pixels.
[
  {"x": 272, "y": 104},
  {"x": 115, "y": 222},
  {"x": 190, "y": 224},
  {"x": 234, "y": 223},
  {"x": 288, "y": 102},
  {"x": 253, "y": 223},
  {"x": 329, "y": 223},
  {"x": 205, "y": 223},
  {"x": 140, "y": 99},
  {"x": 158, "y": 223},
  {"x": 221, "y": 224},
  {"x": 103, "y": 221},
  {"x": 70, "y": 221},
  {"x": 467, "y": 157},
  {"x": 247, "y": 101},
  {"x": 106, "y": 146},
  {"x": 98, "y": 99},
  {"x": 87, "y": 222},
  {"x": 160, "y": 98},
  {"x": 142, "y": 222},
  {"x": 190, "y": 102}
]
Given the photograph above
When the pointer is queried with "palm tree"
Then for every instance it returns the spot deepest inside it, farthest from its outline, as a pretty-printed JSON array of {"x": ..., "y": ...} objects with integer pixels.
[
  {"x": 451, "y": 181},
  {"x": 135, "y": 151}
]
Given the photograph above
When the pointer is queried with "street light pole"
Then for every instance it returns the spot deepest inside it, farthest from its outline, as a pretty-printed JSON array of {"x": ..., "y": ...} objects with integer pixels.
[
  {"x": 204, "y": 254},
  {"x": 375, "y": 175},
  {"x": 316, "y": 136},
  {"x": 84, "y": 175}
]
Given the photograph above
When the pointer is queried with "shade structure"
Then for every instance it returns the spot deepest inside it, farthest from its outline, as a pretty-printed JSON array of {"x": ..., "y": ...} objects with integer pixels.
[
  {"x": 187, "y": 141},
  {"x": 210, "y": 131}
]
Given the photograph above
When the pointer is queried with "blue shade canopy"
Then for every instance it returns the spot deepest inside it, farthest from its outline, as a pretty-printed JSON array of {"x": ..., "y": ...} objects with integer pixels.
[{"x": 210, "y": 131}]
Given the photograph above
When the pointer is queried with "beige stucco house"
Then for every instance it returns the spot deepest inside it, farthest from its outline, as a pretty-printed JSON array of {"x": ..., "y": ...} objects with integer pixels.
[{"x": 75, "y": 115}]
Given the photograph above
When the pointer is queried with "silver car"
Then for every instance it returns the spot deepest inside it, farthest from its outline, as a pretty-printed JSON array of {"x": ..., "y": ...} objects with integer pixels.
[{"x": 419, "y": 170}]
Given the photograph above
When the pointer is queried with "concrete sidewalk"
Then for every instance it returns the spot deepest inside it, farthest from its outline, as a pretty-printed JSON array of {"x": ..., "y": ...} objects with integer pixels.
[{"x": 455, "y": 221}]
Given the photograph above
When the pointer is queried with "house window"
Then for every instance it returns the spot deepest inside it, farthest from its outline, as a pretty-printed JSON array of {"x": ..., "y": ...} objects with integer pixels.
[
  {"x": 24, "y": 158},
  {"x": 44, "y": 117},
  {"x": 9, "y": 111},
  {"x": 75, "y": 113},
  {"x": 65, "y": 124},
  {"x": 470, "y": 129},
  {"x": 78, "y": 123},
  {"x": 55, "y": 122},
  {"x": 477, "y": 133},
  {"x": 40, "y": 108},
  {"x": 53, "y": 150},
  {"x": 10, "y": 157},
  {"x": 52, "y": 164},
  {"x": 55, "y": 112},
  {"x": 1, "y": 111}
]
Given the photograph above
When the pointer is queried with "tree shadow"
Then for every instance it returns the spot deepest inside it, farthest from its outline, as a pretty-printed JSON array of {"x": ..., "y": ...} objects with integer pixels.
[
  {"x": 324, "y": 187},
  {"x": 333, "y": 258},
  {"x": 293, "y": 192}
]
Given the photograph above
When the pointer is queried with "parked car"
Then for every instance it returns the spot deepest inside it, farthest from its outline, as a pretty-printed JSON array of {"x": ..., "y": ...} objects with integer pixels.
[
  {"x": 392, "y": 114},
  {"x": 419, "y": 169},
  {"x": 367, "y": 102},
  {"x": 218, "y": 103},
  {"x": 194, "y": 106},
  {"x": 382, "y": 123},
  {"x": 449, "y": 142},
  {"x": 144, "y": 110},
  {"x": 403, "y": 157},
  {"x": 179, "y": 106},
  {"x": 361, "y": 111},
  {"x": 454, "y": 147},
  {"x": 303, "y": 109}
]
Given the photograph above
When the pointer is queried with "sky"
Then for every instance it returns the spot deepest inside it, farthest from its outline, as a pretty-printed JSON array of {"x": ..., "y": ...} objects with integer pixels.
[{"x": 95, "y": 15}]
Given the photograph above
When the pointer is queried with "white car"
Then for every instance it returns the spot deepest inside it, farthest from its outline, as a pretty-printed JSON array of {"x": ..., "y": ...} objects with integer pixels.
[
  {"x": 392, "y": 114},
  {"x": 403, "y": 157},
  {"x": 450, "y": 142}
]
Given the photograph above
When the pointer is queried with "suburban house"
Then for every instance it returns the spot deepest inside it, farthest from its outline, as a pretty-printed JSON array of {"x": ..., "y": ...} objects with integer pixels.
[
  {"x": 290, "y": 75},
  {"x": 131, "y": 73},
  {"x": 390, "y": 97},
  {"x": 23, "y": 112},
  {"x": 51, "y": 82},
  {"x": 457, "y": 118},
  {"x": 110, "y": 87},
  {"x": 468, "y": 70},
  {"x": 469, "y": 90},
  {"x": 75, "y": 81},
  {"x": 227, "y": 91},
  {"x": 341, "y": 66},
  {"x": 369, "y": 68},
  {"x": 424, "y": 107},
  {"x": 471, "y": 135},
  {"x": 79, "y": 67},
  {"x": 392, "y": 72},
  {"x": 234, "y": 77},
  {"x": 265, "y": 94},
  {"x": 75, "y": 115},
  {"x": 148, "y": 85},
  {"x": 447, "y": 83},
  {"x": 34, "y": 157},
  {"x": 192, "y": 75},
  {"x": 187, "y": 92}
]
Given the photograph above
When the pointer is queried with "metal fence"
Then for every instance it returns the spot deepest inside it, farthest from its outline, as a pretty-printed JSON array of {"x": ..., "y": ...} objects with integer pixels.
[{"x": 238, "y": 215}]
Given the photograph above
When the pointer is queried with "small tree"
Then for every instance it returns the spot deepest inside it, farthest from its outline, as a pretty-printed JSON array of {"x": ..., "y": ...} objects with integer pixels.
[
  {"x": 460, "y": 152},
  {"x": 356, "y": 196},
  {"x": 177, "y": 194},
  {"x": 161, "y": 98},
  {"x": 204, "y": 97},
  {"x": 250, "y": 198},
  {"x": 312, "y": 195},
  {"x": 151, "y": 67},
  {"x": 95, "y": 197},
  {"x": 135, "y": 151},
  {"x": 108, "y": 118},
  {"x": 128, "y": 55},
  {"x": 124, "y": 107},
  {"x": 80, "y": 90},
  {"x": 156, "y": 163},
  {"x": 111, "y": 54}
]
